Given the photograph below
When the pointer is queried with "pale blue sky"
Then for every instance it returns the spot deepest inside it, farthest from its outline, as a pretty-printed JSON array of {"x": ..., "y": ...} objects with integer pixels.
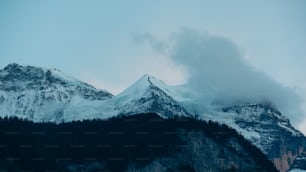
[{"x": 93, "y": 40}]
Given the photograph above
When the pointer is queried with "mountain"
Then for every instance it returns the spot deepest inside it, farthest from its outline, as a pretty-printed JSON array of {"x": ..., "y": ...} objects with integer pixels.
[
  {"x": 48, "y": 95},
  {"x": 44, "y": 95},
  {"x": 267, "y": 128},
  {"x": 147, "y": 95},
  {"x": 134, "y": 143}
]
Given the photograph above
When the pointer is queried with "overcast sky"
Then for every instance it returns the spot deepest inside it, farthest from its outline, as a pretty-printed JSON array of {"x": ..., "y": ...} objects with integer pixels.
[{"x": 112, "y": 43}]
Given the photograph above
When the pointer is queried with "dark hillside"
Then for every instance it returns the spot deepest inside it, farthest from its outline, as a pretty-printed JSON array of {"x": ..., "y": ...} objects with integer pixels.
[{"x": 138, "y": 142}]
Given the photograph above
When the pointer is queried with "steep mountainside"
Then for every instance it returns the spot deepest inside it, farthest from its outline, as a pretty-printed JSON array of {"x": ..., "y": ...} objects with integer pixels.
[
  {"x": 147, "y": 95},
  {"x": 43, "y": 94},
  {"x": 267, "y": 128}
]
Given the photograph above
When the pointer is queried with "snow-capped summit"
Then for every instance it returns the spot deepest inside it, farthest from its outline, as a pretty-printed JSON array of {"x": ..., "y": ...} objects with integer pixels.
[
  {"x": 48, "y": 95},
  {"x": 41, "y": 94},
  {"x": 146, "y": 95},
  {"x": 141, "y": 86},
  {"x": 15, "y": 77}
]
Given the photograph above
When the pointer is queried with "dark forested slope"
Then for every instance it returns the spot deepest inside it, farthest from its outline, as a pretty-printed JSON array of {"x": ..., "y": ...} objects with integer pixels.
[{"x": 143, "y": 142}]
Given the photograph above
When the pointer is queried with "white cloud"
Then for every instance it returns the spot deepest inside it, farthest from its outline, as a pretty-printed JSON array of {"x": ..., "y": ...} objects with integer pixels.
[{"x": 219, "y": 72}]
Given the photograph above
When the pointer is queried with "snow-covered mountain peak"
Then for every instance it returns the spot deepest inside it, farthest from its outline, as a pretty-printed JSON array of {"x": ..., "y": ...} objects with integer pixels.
[
  {"x": 14, "y": 72},
  {"x": 41, "y": 94},
  {"x": 148, "y": 94},
  {"x": 17, "y": 78},
  {"x": 12, "y": 67},
  {"x": 143, "y": 84},
  {"x": 148, "y": 80}
]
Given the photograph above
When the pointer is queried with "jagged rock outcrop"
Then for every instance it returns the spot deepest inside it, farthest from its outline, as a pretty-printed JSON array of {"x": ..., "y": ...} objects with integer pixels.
[{"x": 269, "y": 130}]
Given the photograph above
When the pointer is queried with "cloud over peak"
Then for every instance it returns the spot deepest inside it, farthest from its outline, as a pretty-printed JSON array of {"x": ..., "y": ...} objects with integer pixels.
[{"x": 219, "y": 72}]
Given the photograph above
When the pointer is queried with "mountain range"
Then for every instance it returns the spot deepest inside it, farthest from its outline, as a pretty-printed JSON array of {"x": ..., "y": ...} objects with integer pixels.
[{"x": 44, "y": 95}]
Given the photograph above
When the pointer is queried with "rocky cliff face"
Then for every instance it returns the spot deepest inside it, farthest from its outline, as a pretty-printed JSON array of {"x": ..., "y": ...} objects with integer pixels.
[
  {"x": 269, "y": 130},
  {"x": 299, "y": 162}
]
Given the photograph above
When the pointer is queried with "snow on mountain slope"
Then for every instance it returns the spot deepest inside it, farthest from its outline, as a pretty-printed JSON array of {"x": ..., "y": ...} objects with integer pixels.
[
  {"x": 253, "y": 119},
  {"x": 43, "y": 94},
  {"x": 48, "y": 95},
  {"x": 144, "y": 96},
  {"x": 265, "y": 127}
]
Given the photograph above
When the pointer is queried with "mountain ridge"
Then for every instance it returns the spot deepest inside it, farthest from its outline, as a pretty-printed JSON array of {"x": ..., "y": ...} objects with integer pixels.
[{"x": 50, "y": 96}]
